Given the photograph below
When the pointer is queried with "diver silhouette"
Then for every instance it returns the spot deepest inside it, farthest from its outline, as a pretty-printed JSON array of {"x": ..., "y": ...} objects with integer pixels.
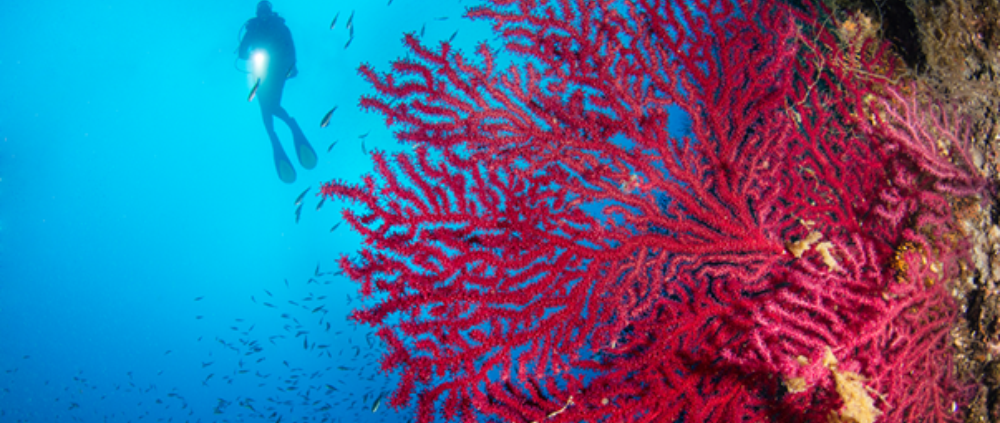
[{"x": 270, "y": 41}]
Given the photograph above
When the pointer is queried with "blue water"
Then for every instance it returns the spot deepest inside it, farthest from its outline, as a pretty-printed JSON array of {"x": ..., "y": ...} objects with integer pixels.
[{"x": 136, "y": 178}]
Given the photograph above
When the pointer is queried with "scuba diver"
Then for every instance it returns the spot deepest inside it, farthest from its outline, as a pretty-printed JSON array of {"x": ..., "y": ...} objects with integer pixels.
[{"x": 270, "y": 42}]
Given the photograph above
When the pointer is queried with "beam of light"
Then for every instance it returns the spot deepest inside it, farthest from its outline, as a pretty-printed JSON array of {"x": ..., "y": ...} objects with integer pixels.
[{"x": 258, "y": 65}]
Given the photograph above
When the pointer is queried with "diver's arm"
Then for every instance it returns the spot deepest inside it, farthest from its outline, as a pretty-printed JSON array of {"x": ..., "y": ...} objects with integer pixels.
[
  {"x": 290, "y": 45},
  {"x": 244, "y": 50}
]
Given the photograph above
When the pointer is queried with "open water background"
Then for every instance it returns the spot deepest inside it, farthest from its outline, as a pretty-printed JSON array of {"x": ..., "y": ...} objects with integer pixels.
[{"x": 136, "y": 178}]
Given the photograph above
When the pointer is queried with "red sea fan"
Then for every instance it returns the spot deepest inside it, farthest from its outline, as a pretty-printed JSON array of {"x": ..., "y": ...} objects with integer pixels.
[{"x": 550, "y": 251}]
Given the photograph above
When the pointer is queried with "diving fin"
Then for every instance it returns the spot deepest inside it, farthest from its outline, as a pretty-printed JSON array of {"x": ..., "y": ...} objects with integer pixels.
[
  {"x": 307, "y": 156},
  {"x": 286, "y": 172}
]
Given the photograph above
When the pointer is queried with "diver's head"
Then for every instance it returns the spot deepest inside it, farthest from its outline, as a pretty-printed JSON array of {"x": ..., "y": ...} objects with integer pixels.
[{"x": 264, "y": 9}]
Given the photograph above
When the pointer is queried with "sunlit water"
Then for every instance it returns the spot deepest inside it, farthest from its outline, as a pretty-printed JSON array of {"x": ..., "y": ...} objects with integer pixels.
[{"x": 143, "y": 226}]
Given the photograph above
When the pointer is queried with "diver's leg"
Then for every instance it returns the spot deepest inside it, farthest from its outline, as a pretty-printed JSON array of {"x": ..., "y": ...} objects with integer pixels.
[
  {"x": 307, "y": 156},
  {"x": 281, "y": 113},
  {"x": 286, "y": 172},
  {"x": 267, "y": 116}
]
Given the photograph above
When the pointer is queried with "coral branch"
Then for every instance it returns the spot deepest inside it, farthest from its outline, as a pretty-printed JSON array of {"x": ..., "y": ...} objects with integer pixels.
[{"x": 552, "y": 251}]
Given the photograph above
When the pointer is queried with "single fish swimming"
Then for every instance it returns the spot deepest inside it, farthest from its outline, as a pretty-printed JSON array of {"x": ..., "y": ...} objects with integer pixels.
[
  {"x": 298, "y": 200},
  {"x": 253, "y": 92},
  {"x": 334, "y": 23},
  {"x": 326, "y": 119}
]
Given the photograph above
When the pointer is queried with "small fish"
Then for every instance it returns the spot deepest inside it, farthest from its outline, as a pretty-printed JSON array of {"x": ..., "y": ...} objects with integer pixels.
[
  {"x": 168, "y": 352},
  {"x": 348, "y": 43},
  {"x": 326, "y": 119},
  {"x": 206, "y": 364},
  {"x": 441, "y": 18},
  {"x": 331, "y": 146},
  {"x": 198, "y": 298},
  {"x": 422, "y": 29},
  {"x": 316, "y": 272},
  {"x": 334, "y": 23},
  {"x": 253, "y": 299},
  {"x": 253, "y": 92},
  {"x": 364, "y": 135},
  {"x": 291, "y": 72},
  {"x": 350, "y": 20},
  {"x": 363, "y": 150},
  {"x": 377, "y": 402},
  {"x": 268, "y": 293},
  {"x": 452, "y": 38},
  {"x": 286, "y": 283},
  {"x": 198, "y": 317},
  {"x": 298, "y": 200},
  {"x": 298, "y": 213},
  {"x": 269, "y": 305},
  {"x": 335, "y": 226},
  {"x": 390, "y": 3},
  {"x": 318, "y": 206},
  {"x": 305, "y": 343}
]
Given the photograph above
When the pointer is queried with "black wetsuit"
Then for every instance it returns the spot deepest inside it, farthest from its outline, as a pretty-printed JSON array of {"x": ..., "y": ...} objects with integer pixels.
[{"x": 270, "y": 34}]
